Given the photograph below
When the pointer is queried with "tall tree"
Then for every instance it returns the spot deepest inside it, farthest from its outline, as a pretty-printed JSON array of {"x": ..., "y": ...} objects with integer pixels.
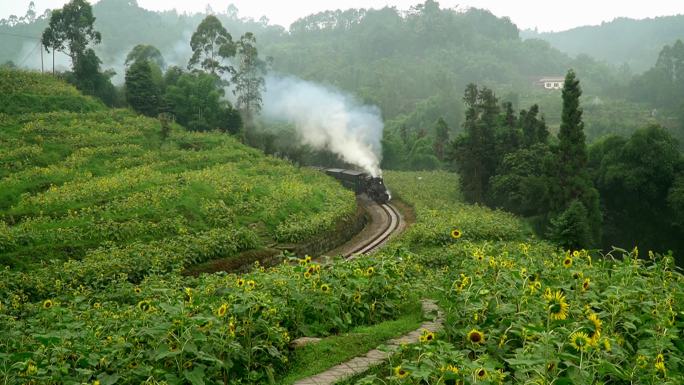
[
  {"x": 248, "y": 79},
  {"x": 574, "y": 186},
  {"x": 211, "y": 46},
  {"x": 141, "y": 91},
  {"x": 71, "y": 31},
  {"x": 474, "y": 152},
  {"x": 145, "y": 52},
  {"x": 441, "y": 138}
]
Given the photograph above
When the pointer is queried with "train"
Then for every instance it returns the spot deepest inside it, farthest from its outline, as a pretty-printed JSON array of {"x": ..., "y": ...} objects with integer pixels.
[{"x": 360, "y": 182}]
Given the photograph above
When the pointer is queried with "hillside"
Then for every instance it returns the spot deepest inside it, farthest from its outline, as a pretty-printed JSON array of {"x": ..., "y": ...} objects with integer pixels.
[
  {"x": 621, "y": 41},
  {"x": 25, "y": 92},
  {"x": 85, "y": 186}
]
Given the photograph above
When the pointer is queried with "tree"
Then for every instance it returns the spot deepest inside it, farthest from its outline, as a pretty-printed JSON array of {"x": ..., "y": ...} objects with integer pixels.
[
  {"x": 145, "y": 52},
  {"x": 635, "y": 178},
  {"x": 248, "y": 79},
  {"x": 573, "y": 182},
  {"x": 534, "y": 130},
  {"x": 142, "y": 93},
  {"x": 441, "y": 138},
  {"x": 211, "y": 44},
  {"x": 474, "y": 152},
  {"x": 197, "y": 101},
  {"x": 71, "y": 31}
]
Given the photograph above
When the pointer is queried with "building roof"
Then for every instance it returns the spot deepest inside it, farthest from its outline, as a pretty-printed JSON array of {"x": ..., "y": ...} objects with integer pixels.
[{"x": 552, "y": 79}]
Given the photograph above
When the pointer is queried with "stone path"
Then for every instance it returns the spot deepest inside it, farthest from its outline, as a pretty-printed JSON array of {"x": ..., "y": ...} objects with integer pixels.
[{"x": 375, "y": 357}]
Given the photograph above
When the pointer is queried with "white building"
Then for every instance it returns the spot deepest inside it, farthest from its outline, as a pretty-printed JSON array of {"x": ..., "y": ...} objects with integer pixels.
[{"x": 551, "y": 83}]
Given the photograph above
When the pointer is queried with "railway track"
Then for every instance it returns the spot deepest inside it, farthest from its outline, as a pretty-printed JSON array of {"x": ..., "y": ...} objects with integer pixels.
[{"x": 370, "y": 245}]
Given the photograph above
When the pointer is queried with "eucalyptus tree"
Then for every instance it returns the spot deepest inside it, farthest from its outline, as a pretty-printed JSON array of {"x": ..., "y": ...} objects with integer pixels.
[
  {"x": 211, "y": 46},
  {"x": 71, "y": 31}
]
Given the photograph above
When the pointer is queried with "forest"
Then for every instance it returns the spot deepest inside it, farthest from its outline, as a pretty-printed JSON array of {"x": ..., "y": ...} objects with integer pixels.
[{"x": 543, "y": 175}]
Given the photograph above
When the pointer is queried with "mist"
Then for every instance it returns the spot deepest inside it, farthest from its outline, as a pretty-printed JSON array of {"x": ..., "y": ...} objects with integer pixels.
[{"x": 326, "y": 119}]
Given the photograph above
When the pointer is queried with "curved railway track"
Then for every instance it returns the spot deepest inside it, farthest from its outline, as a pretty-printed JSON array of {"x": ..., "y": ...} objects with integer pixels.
[{"x": 370, "y": 245}]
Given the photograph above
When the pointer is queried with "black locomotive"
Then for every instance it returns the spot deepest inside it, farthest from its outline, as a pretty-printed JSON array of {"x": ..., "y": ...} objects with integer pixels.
[{"x": 361, "y": 182}]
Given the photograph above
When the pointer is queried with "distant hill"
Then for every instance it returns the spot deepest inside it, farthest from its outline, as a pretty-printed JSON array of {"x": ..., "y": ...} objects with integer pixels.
[{"x": 634, "y": 42}]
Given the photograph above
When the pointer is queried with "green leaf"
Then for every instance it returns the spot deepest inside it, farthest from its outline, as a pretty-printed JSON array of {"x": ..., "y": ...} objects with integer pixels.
[{"x": 196, "y": 377}]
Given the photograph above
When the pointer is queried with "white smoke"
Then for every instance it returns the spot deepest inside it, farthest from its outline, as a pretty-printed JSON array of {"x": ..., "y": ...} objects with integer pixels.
[{"x": 326, "y": 119}]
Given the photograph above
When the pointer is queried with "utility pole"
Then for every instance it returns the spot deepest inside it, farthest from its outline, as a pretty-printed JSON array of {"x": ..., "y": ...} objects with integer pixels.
[{"x": 42, "y": 69}]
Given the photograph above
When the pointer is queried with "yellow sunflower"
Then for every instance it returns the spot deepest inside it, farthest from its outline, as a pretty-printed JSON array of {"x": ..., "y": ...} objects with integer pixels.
[
  {"x": 240, "y": 282},
  {"x": 481, "y": 374},
  {"x": 456, "y": 233},
  {"x": 660, "y": 363},
  {"x": 580, "y": 341},
  {"x": 357, "y": 297},
  {"x": 558, "y": 307},
  {"x": 47, "y": 304},
  {"x": 567, "y": 262},
  {"x": 137, "y": 290},
  {"x": 307, "y": 259},
  {"x": 307, "y": 275},
  {"x": 251, "y": 284},
  {"x": 586, "y": 284},
  {"x": 595, "y": 333},
  {"x": 475, "y": 336},
  {"x": 222, "y": 310},
  {"x": 427, "y": 336},
  {"x": 370, "y": 271},
  {"x": 144, "y": 306},
  {"x": 401, "y": 372},
  {"x": 325, "y": 288}
]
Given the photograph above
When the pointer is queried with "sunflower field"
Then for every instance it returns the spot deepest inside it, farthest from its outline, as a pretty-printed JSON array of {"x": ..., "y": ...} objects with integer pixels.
[{"x": 520, "y": 311}]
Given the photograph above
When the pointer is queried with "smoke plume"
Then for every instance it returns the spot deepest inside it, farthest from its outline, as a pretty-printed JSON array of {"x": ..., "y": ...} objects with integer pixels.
[{"x": 326, "y": 119}]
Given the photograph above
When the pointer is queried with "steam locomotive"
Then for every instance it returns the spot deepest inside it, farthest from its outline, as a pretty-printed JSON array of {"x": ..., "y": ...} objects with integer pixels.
[{"x": 361, "y": 182}]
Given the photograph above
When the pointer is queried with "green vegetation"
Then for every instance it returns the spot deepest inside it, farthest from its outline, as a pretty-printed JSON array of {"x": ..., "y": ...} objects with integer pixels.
[
  {"x": 521, "y": 311},
  {"x": 24, "y": 92},
  {"x": 82, "y": 186}
]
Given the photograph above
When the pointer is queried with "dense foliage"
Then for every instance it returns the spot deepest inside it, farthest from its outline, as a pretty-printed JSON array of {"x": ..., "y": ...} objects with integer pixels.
[{"x": 519, "y": 311}]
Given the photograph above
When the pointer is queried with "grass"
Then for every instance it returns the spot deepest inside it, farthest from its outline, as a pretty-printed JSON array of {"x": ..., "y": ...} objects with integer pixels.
[{"x": 316, "y": 358}]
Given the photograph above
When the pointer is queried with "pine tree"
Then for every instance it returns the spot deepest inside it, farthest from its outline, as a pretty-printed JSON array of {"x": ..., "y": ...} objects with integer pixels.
[{"x": 574, "y": 186}]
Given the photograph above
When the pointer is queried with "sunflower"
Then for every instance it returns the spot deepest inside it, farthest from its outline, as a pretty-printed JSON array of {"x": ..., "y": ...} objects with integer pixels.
[
  {"x": 307, "y": 259},
  {"x": 606, "y": 345},
  {"x": 133, "y": 365},
  {"x": 357, "y": 297},
  {"x": 586, "y": 284},
  {"x": 558, "y": 307},
  {"x": 97, "y": 305},
  {"x": 47, "y": 304},
  {"x": 325, "y": 288},
  {"x": 567, "y": 262},
  {"x": 240, "y": 282},
  {"x": 401, "y": 372},
  {"x": 456, "y": 233},
  {"x": 222, "y": 310},
  {"x": 427, "y": 336},
  {"x": 660, "y": 363},
  {"x": 449, "y": 368},
  {"x": 311, "y": 269},
  {"x": 575, "y": 253},
  {"x": 251, "y": 284},
  {"x": 481, "y": 374},
  {"x": 475, "y": 336},
  {"x": 595, "y": 334},
  {"x": 580, "y": 341},
  {"x": 370, "y": 271},
  {"x": 144, "y": 306},
  {"x": 137, "y": 290},
  {"x": 307, "y": 275}
]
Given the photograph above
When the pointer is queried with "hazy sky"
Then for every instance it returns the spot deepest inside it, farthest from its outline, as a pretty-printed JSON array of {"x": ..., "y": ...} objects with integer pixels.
[{"x": 547, "y": 15}]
